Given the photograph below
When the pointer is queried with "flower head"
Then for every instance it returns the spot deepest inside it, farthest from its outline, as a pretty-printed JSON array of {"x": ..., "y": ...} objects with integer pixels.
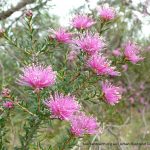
[
  {"x": 8, "y": 104},
  {"x": 62, "y": 107},
  {"x": 37, "y": 77},
  {"x": 112, "y": 93},
  {"x": 82, "y": 124},
  {"x": 132, "y": 53},
  {"x": 61, "y": 35},
  {"x": 107, "y": 13},
  {"x": 102, "y": 66},
  {"x": 82, "y": 22},
  {"x": 90, "y": 43}
]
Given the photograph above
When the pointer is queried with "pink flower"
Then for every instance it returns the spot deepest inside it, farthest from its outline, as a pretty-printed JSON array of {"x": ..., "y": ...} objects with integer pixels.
[
  {"x": 62, "y": 107},
  {"x": 8, "y": 104},
  {"x": 82, "y": 124},
  {"x": 107, "y": 13},
  {"x": 116, "y": 52},
  {"x": 90, "y": 43},
  {"x": 82, "y": 22},
  {"x": 132, "y": 53},
  {"x": 61, "y": 35},
  {"x": 101, "y": 65},
  {"x": 112, "y": 93},
  {"x": 37, "y": 77}
]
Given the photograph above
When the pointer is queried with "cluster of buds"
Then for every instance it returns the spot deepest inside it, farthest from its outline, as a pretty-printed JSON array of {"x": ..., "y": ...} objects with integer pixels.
[{"x": 6, "y": 94}]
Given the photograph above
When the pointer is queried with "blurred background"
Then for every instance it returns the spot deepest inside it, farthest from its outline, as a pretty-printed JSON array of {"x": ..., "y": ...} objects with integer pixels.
[{"x": 129, "y": 121}]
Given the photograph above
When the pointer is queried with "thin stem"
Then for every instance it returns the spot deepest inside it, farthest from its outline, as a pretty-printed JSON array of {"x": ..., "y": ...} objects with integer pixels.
[
  {"x": 67, "y": 142},
  {"x": 101, "y": 27},
  {"x": 74, "y": 78},
  {"x": 12, "y": 129},
  {"x": 30, "y": 29},
  {"x": 23, "y": 108},
  {"x": 39, "y": 102},
  {"x": 31, "y": 33}
]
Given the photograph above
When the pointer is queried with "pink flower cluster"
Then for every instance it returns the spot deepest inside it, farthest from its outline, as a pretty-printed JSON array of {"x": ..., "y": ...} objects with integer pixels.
[
  {"x": 37, "y": 76},
  {"x": 67, "y": 108},
  {"x": 61, "y": 35},
  {"x": 102, "y": 66},
  {"x": 82, "y": 124},
  {"x": 90, "y": 43},
  {"x": 107, "y": 13},
  {"x": 8, "y": 104},
  {"x": 111, "y": 93},
  {"x": 132, "y": 53},
  {"x": 82, "y": 22}
]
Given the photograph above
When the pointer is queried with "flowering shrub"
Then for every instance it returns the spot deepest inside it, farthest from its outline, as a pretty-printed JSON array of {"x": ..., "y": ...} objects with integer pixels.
[
  {"x": 82, "y": 22},
  {"x": 80, "y": 74}
]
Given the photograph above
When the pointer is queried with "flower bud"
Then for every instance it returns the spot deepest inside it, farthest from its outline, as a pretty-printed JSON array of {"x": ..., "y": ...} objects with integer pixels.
[
  {"x": 8, "y": 104},
  {"x": 29, "y": 13},
  {"x": 2, "y": 31},
  {"x": 5, "y": 92}
]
